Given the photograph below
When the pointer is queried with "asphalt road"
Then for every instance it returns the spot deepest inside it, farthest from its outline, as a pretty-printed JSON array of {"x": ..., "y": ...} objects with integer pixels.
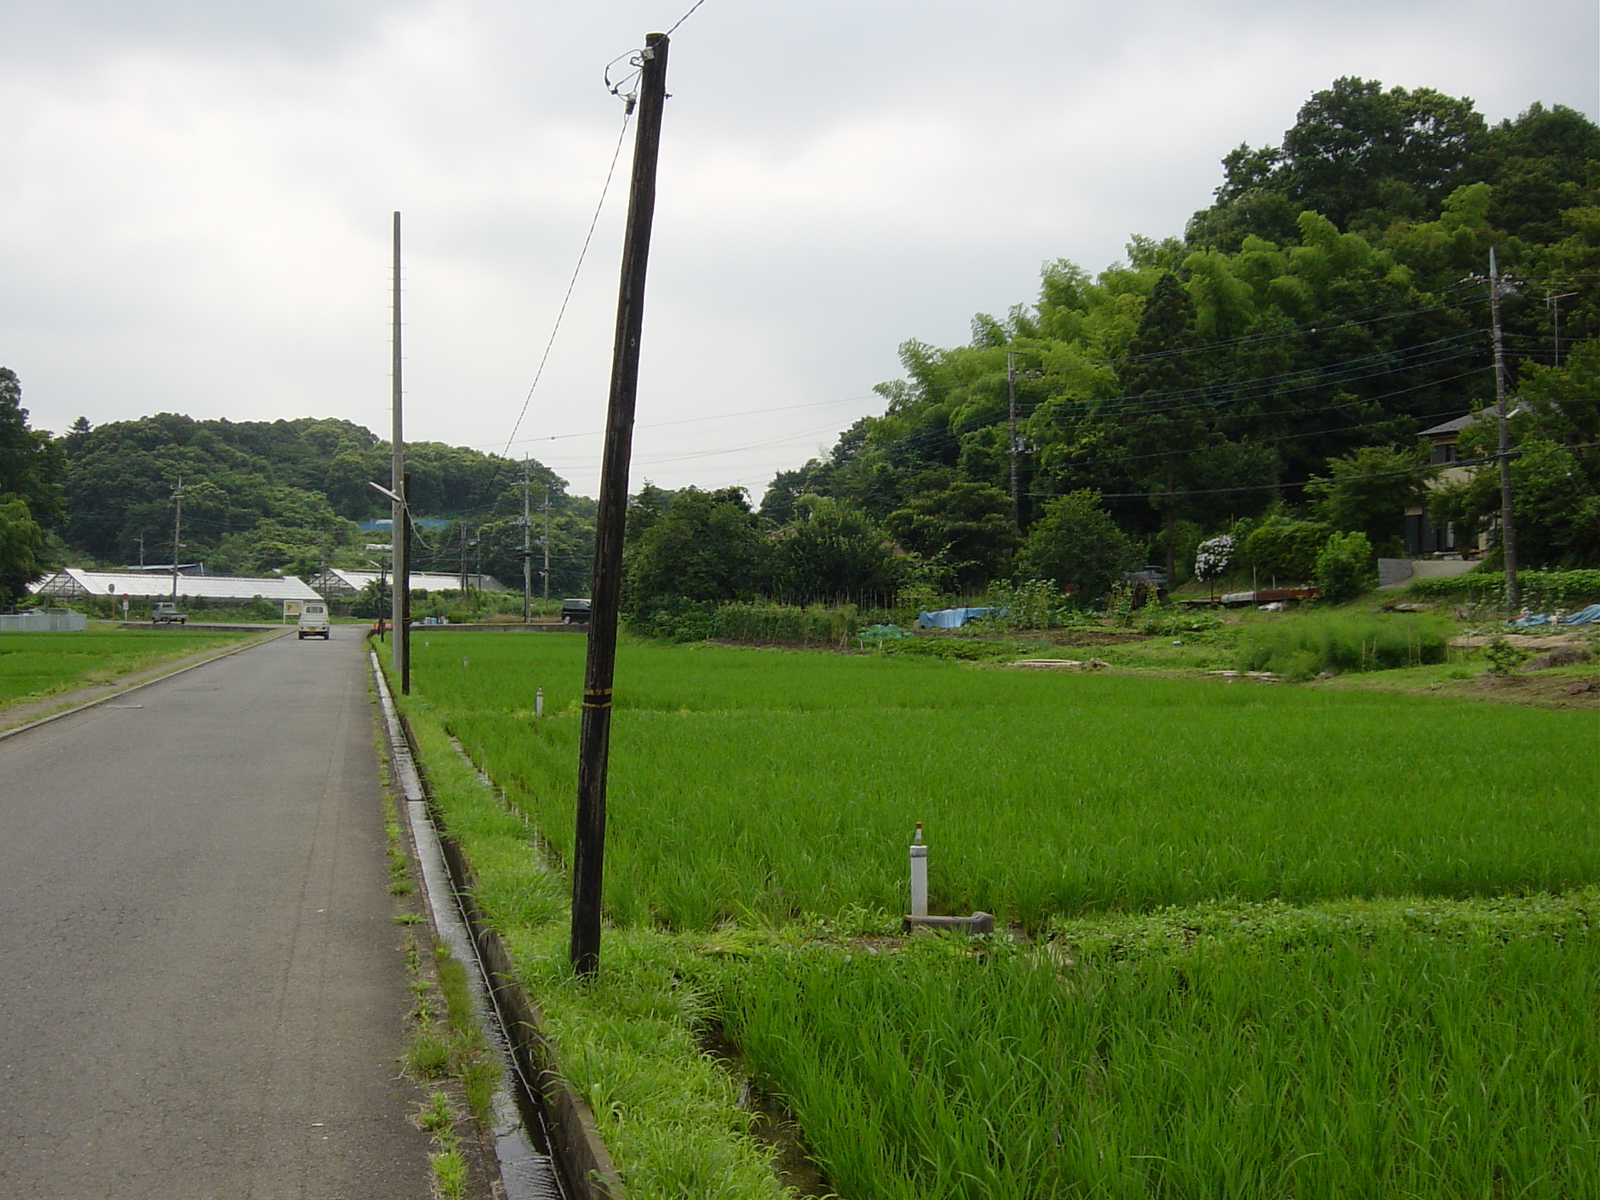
[{"x": 201, "y": 981}]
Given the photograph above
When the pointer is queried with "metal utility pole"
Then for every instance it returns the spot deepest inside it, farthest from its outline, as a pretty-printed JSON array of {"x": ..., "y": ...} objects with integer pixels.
[
  {"x": 403, "y": 630},
  {"x": 1011, "y": 425},
  {"x": 1508, "y": 541},
  {"x": 1553, "y": 301},
  {"x": 399, "y": 517},
  {"x": 546, "y": 571},
  {"x": 594, "y": 736},
  {"x": 527, "y": 550},
  {"x": 177, "y": 529}
]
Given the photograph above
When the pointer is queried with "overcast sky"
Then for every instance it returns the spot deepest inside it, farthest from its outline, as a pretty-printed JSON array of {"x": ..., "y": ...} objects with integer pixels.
[{"x": 195, "y": 195}]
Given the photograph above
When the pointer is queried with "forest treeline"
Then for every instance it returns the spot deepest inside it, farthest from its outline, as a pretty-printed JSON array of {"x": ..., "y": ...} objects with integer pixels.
[
  {"x": 1265, "y": 375},
  {"x": 268, "y": 496}
]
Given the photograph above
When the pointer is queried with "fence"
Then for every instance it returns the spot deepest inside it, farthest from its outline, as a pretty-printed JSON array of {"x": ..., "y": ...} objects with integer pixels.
[{"x": 51, "y": 621}]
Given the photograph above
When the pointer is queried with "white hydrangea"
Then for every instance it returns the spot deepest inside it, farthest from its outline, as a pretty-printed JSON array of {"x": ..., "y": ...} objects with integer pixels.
[{"x": 1213, "y": 556}]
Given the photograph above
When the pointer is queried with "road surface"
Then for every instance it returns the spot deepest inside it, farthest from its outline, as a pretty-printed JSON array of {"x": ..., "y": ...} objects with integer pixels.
[{"x": 202, "y": 990}]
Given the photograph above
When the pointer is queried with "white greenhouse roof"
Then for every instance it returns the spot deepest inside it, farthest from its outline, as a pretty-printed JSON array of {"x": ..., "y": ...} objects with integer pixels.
[
  {"x": 70, "y": 582},
  {"x": 338, "y": 582}
]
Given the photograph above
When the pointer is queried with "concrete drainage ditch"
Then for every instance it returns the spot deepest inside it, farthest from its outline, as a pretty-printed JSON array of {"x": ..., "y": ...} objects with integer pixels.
[{"x": 545, "y": 1136}]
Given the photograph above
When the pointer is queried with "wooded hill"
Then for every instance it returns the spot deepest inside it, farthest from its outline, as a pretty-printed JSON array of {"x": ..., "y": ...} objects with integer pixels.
[
  {"x": 1329, "y": 305},
  {"x": 265, "y": 496}
]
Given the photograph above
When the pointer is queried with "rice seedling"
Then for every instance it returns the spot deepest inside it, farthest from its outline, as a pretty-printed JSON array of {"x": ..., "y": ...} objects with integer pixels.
[
  {"x": 763, "y": 785},
  {"x": 1414, "y": 1062}
]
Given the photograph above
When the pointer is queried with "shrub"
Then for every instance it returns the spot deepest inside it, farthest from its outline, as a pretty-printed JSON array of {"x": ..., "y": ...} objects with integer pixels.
[
  {"x": 1284, "y": 550},
  {"x": 786, "y": 624},
  {"x": 1346, "y": 567},
  {"x": 1304, "y": 646},
  {"x": 1030, "y": 604},
  {"x": 1540, "y": 589},
  {"x": 1503, "y": 657},
  {"x": 1213, "y": 557},
  {"x": 1075, "y": 541}
]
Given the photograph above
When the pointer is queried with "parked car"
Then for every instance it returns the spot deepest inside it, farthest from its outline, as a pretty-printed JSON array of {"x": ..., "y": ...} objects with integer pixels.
[
  {"x": 1151, "y": 576},
  {"x": 164, "y": 612},
  {"x": 314, "y": 621},
  {"x": 575, "y": 612}
]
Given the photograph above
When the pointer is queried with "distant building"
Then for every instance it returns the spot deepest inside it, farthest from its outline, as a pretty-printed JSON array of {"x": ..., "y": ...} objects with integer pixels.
[
  {"x": 338, "y": 584},
  {"x": 1422, "y": 539},
  {"x": 71, "y": 583}
]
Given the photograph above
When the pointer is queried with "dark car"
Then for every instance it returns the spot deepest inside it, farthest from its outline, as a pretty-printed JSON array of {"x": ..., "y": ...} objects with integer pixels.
[
  {"x": 574, "y": 612},
  {"x": 1155, "y": 577}
]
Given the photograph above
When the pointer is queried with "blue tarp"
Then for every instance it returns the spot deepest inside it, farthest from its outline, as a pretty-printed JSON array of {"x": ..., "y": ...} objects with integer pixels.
[
  {"x": 1584, "y": 616},
  {"x": 953, "y": 618}
]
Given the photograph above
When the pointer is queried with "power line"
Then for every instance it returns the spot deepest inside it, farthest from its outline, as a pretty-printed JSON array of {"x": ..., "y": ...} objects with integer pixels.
[{"x": 605, "y": 188}]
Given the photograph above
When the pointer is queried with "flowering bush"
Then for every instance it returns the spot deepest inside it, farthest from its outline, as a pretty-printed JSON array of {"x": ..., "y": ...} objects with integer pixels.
[{"x": 1212, "y": 557}]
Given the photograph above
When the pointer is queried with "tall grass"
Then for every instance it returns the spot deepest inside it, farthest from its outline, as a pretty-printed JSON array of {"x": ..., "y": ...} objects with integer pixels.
[
  {"x": 764, "y": 785},
  {"x": 1401, "y": 1063},
  {"x": 1307, "y": 646}
]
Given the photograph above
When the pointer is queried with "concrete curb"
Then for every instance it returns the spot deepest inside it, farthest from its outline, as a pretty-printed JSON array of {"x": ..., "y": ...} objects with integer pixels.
[
  {"x": 120, "y": 692},
  {"x": 585, "y": 1164}
]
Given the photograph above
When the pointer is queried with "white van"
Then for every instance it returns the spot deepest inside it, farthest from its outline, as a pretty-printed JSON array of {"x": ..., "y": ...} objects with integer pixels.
[{"x": 314, "y": 620}]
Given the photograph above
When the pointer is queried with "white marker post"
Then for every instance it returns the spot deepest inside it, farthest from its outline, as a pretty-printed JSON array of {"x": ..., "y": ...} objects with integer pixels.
[
  {"x": 919, "y": 874},
  {"x": 538, "y": 702}
]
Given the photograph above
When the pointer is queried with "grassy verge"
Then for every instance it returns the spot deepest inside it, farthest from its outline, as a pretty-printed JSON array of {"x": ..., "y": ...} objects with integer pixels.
[
  {"x": 631, "y": 1041},
  {"x": 447, "y": 1054}
]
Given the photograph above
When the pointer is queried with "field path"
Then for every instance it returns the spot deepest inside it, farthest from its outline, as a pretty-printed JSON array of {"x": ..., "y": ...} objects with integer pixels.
[{"x": 202, "y": 989}]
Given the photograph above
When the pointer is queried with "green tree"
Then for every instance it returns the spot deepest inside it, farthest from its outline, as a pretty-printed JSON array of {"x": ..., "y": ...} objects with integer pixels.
[
  {"x": 707, "y": 546},
  {"x": 21, "y": 546},
  {"x": 963, "y": 524},
  {"x": 375, "y": 600},
  {"x": 1160, "y": 424},
  {"x": 1076, "y": 543},
  {"x": 1555, "y": 507},
  {"x": 1368, "y": 491},
  {"x": 30, "y": 462},
  {"x": 834, "y": 551},
  {"x": 1346, "y": 567}
]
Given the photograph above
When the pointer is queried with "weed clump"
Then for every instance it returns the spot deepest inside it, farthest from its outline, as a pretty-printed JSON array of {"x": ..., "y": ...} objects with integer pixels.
[{"x": 1300, "y": 649}]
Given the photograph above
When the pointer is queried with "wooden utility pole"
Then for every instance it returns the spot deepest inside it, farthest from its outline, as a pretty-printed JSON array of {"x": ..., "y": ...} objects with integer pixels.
[
  {"x": 594, "y": 736},
  {"x": 1508, "y": 540},
  {"x": 399, "y": 518}
]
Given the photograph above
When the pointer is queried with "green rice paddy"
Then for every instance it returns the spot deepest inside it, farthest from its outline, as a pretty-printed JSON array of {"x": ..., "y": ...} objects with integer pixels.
[
  {"x": 1264, "y": 941},
  {"x": 769, "y": 785},
  {"x": 41, "y": 664}
]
